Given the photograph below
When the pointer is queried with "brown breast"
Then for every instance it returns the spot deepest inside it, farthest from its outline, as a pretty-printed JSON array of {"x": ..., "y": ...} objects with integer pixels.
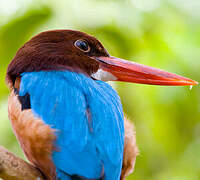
[{"x": 35, "y": 137}]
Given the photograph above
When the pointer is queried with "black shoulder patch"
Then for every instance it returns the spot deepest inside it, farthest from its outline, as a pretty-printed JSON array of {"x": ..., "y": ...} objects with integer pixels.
[
  {"x": 16, "y": 91},
  {"x": 25, "y": 101}
]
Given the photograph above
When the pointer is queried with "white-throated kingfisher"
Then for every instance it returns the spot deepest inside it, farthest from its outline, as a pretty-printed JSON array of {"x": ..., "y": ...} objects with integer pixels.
[{"x": 68, "y": 121}]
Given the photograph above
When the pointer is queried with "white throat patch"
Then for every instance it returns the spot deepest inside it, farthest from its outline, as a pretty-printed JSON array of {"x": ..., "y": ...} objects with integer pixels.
[{"x": 103, "y": 75}]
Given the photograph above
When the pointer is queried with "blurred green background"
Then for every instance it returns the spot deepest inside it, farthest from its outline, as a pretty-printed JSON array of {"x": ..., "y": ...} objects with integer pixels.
[{"x": 159, "y": 33}]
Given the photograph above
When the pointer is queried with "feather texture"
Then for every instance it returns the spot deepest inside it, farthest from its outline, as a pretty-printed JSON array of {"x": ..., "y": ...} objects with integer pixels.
[{"x": 88, "y": 118}]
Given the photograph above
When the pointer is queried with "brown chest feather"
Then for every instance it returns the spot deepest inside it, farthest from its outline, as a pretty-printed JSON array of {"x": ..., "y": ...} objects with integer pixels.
[{"x": 35, "y": 137}]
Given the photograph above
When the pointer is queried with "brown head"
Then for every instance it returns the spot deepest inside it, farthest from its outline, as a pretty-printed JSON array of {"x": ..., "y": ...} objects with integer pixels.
[
  {"x": 57, "y": 50},
  {"x": 79, "y": 52}
]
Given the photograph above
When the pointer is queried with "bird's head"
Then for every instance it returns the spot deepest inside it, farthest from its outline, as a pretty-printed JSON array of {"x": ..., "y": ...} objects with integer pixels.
[{"x": 79, "y": 52}]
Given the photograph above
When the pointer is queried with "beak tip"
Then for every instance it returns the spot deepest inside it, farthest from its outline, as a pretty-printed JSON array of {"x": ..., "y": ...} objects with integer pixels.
[
  {"x": 192, "y": 83},
  {"x": 195, "y": 83}
]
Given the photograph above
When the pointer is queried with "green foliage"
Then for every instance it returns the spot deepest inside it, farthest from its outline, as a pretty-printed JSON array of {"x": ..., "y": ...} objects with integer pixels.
[{"x": 164, "y": 34}]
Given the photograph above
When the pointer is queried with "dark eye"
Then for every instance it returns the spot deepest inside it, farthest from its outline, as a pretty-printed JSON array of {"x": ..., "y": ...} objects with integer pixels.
[{"x": 82, "y": 45}]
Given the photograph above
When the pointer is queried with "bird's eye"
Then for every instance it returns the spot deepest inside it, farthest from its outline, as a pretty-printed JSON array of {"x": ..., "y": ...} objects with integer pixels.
[{"x": 82, "y": 45}]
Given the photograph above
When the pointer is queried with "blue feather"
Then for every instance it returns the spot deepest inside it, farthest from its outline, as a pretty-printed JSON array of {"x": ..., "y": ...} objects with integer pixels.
[{"x": 88, "y": 117}]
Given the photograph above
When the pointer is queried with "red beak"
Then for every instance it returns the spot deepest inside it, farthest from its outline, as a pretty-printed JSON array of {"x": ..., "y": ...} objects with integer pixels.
[{"x": 128, "y": 71}]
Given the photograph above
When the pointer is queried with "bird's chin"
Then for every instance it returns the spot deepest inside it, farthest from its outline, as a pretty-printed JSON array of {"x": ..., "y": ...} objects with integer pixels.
[{"x": 103, "y": 75}]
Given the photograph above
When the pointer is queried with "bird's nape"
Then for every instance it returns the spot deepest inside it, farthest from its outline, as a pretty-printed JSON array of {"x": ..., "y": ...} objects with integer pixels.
[{"x": 121, "y": 70}]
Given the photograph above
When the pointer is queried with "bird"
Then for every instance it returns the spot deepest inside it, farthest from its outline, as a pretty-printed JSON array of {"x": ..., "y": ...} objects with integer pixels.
[{"x": 68, "y": 120}]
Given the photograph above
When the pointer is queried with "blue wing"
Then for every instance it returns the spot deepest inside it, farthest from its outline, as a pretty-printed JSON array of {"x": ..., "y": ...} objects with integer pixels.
[{"x": 88, "y": 119}]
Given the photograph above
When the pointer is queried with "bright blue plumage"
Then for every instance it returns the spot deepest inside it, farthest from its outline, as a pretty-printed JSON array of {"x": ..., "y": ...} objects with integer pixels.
[{"x": 88, "y": 117}]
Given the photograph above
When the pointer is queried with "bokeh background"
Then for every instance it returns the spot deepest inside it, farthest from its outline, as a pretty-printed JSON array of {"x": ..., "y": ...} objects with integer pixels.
[{"x": 159, "y": 33}]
